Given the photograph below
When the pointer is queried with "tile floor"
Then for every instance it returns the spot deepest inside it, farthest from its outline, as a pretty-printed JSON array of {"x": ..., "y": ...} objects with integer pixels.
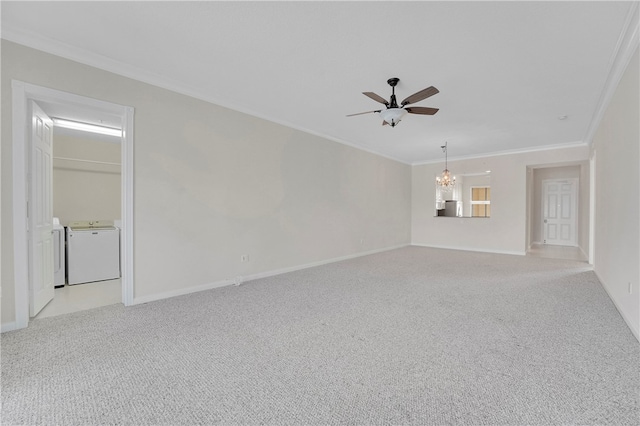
[
  {"x": 79, "y": 297},
  {"x": 557, "y": 252}
]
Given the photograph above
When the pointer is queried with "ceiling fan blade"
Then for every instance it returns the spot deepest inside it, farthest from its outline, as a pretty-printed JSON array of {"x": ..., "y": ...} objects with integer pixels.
[
  {"x": 360, "y": 113},
  {"x": 422, "y": 110},
  {"x": 376, "y": 98},
  {"x": 418, "y": 96}
]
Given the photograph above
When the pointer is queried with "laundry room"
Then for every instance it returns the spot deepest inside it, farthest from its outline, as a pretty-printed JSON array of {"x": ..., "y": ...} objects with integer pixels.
[{"x": 86, "y": 195}]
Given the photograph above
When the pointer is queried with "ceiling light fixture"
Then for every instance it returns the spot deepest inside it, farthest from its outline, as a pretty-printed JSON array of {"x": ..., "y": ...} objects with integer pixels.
[
  {"x": 86, "y": 127},
  {"x": 445, "y": 181},
  {"x": 393, "y": 116}
]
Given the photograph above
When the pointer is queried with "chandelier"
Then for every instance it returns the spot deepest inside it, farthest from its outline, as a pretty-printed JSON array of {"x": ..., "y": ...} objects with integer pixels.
[{"x": 446, "y": 181}]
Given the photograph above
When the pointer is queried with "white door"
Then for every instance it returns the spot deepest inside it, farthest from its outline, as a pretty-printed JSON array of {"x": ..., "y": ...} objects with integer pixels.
[
  {"x": 559, "y": 211},
  {"x": 40, "y": 211}
]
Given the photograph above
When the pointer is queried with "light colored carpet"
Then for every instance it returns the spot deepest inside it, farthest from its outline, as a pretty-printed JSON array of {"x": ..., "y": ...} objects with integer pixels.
[{"x": 411, "y": 336}]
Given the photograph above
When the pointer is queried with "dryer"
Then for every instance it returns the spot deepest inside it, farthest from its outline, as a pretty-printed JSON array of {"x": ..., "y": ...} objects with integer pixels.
[{"x": 93, "y": 251}]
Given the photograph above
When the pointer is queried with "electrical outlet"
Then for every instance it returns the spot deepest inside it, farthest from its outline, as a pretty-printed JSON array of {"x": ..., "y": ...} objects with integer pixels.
[
  {"x": 244, "y": 258},
  {"x": 361, "y": 241},
  {"x": 630, "y": 288}
]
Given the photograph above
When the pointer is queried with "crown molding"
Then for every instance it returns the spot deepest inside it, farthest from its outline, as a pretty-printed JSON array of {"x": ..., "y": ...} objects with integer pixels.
[
  {"x": 625, "y": 48},
  {"x": 63, "y": 50},
  {"x": 578, "y": 144}
]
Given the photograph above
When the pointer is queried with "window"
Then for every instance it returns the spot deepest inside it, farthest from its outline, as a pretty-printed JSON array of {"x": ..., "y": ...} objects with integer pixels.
[{"x": 480, "y": 201}]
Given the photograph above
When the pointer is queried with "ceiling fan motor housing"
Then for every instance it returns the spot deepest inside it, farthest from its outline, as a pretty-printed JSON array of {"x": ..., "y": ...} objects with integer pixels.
[{"x": 393, "y": 103}]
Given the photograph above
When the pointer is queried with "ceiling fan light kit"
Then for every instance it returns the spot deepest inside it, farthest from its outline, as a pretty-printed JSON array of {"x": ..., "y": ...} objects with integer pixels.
[
  {"x": 392, "y": 116},
  {"x": 394, "y": 113}
]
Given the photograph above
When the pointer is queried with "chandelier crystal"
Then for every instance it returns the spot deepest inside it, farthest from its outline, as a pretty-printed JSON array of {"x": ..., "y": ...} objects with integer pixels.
[{"x": 446, "y": 181}]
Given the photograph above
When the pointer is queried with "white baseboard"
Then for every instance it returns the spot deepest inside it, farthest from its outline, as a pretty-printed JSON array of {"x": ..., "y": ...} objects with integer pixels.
[
  {"x": 624, "y": 316},
  {"x": 181, "y": 292},
  {"x": 8, "y": 326},
  {"x": 319, "y": 263},
  {"x": 516, "y": 253},
  {"x": 244, "y": 279},
  {"x": 584, "y": 255}
]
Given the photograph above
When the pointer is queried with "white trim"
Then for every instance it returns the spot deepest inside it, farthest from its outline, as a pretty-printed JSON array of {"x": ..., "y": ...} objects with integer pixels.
[
  {"x": 578, "y": 144},
  {"x": 8, "y": 326},
  {"x": 182, "y": 291},
  {"x": 625, "y": 48},
  {"x": 232, "y": 281},
  {"x": 621, "y": 311},
  {"x": 21, "y": 94},
  {"x": 36, "y": 41},
  {"x": 20, "y": 246},
  {"x": 584, "y": 255},
  {"x": 592, "y": 207},
  {"x": 320, "y": 263},
  {"x": 127, "y": 180},
  {"x": 515, "y": 253}
]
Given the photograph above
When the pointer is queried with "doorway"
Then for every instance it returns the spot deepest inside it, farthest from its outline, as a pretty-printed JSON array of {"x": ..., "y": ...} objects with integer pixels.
[
  {"x": 558, "y": 240},
  {"x": 23, "y": 96},
  {"x": 86, "y": 187}
]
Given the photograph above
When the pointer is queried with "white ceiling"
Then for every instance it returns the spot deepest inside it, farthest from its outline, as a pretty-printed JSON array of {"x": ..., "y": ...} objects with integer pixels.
[{"x": 505, "y": 70}]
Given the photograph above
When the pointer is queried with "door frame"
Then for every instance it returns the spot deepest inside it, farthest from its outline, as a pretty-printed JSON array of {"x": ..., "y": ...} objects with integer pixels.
[
  {"x": 22, "y": 93},
  {"x": 592, "y": 206},
  {"x": 576, "y": 193}
]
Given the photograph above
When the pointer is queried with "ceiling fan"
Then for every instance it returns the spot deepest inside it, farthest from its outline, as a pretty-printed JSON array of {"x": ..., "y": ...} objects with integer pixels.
[{"x": 394, "y": 113}]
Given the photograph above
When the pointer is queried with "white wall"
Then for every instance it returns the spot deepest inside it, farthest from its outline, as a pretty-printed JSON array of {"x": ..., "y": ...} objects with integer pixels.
[
  {"x": 506, "y": 230},
  {"x": 584, "y": 209},
  {"x": 85, "y": 190},
  {"x": 212, "y": 184},
  {"x": 617, "y": 177}
]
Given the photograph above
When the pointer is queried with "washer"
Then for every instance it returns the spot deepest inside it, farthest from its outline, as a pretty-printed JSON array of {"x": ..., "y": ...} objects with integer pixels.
[
  {"x": 93, "y": 251},
  {"x": 59, "y": 269}
]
